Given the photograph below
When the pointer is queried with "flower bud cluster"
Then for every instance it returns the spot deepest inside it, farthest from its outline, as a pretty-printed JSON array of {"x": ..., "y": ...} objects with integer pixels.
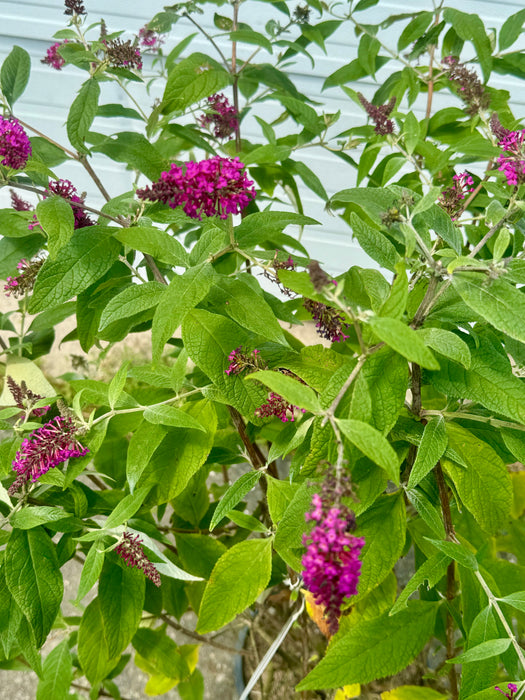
[
  {"x": 123, "y": 54},
  {"x": 330, "y": 323},
  {"x": 213, "y": 187},
  {"x": 47, "y": 447},
  {"x": 379, "y": 115},
  {"x": 221, "y": 115},
  {"x": 25, "y": 398},
  {"x": 470, "y": 89},
  {"x": 451, "y": 199},
  {"x": 24, "y": 282},
  {"x": 149, "y": 39},
  {"x": 130, "y": 550}
]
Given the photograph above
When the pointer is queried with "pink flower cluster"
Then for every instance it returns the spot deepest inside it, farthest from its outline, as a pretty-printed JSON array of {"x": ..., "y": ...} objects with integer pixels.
[
  {"x": 66, "y": 189},
  {"x": 53, "y": 58},
  {"x": 222, "y": 116},
  {"x": 277, "y": 406},
  {"x": 130, "y": 550},
  {"x": 512, "y": 160},
  {"x": 512, "y": 687},
  {"x": 45, "y": 448},
  {"x": 18, "y": 203},
  {"x": 14, "y": 144},
  {"x": 451, "y": 198},
  {"x": 330, "y": 324},
  {"x": 331, "y": 563},
  {"x": 150, "y": 39},
  {"x": 213, "y": 187},
  {"x": 240, "y": 361},
  {"x": 24, "y": 282}
]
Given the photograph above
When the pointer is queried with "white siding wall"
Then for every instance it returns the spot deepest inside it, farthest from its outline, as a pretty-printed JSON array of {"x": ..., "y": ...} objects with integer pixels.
[{"x": 31, "y": 24}]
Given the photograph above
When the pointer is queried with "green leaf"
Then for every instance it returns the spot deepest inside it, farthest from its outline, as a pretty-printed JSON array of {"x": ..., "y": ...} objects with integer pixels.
[
  {"x": 511, "y": 30},
  {"x": 88, "y": 256},
  {"x": 93, "y": 652},
  {"x": 430, "y": 573},
  {"x": 81, "y": 114},
  {"x": 414, "y": 29},
  {"x": 155, "y": 242},
  {"x": 199, "y": 553},
  {"x": 191, "y": 80},
  {"x": 378, "y": 647},
  {"x": 28, "y": 517},
  {"x": 55, "y": 215},
  {"x": 127, "y": 508},
  {"x": 386, "y": 374},
  {"x": 209, "y": 339},
  {"x": 134, "y": 150},
  {"x": 131, "y": 301},
  {"x": 395, "y": 305},
  {"x": 233, "y": 495},
  {"x": 142, "y": 445},
  {"x": 439, "y": 221},
  {"x": 161, "y": 653},
  {"x": 484, "y": 486},
  {"x": 172, "y": 416},
  {"x": 121, "y": 593},
  {"x": 10, "y": 616},
  {"x": 182, "y": 295},
  {"x": 498, "y": 302},
  {"x": 249, "y": 309},
  {"x": 383, "y": 526},
  {"x": 485, "y": 650},
  {"x": 237, "y": 580},
  {"x": 446, "y": 343},
  {"x": 13, "y": 249},
  {"x": 14, "y": 74},
  {"x": 255, "y": 227},
  {"x": 469, "y": 27},
  {"x": 34, "y": 579},
  {"x": 516, "y": 600},
  {"x": 431, "y": 449},
  {"x": 403, "y": 340},
  {"x": 480, "y": 674},
  {"x": 248, "y": 522},
  {"x": 266, "y": 154},
  {"x": 248, "y": 36},
  {"x": 181, "y": 454},
  {"x": 458, "y": 552},
  {"x": 411, "y": 133},
  {"x": 374, "y": 243},
  {"x": 116, "y": 386},
  {"x": 90, "y": 571},
  {"x": 489, "y": 381},
  {"x": 290, "y": 389},
  {"x": 413, "y": 692},
  {"x": 372, "y": 444},
  {"x": 57, "y": 674}
]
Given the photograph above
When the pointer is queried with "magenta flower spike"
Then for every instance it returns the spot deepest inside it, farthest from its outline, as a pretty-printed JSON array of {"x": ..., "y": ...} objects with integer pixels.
[
  {"x": 213, "y": 187},
  {"x": 15, "y": 146},
  {"x": 130, "y": 550},
  {"x": 45, "y": 448},
  {"x": 222, "y": 116},
  {"x": 53, "y": 58}
]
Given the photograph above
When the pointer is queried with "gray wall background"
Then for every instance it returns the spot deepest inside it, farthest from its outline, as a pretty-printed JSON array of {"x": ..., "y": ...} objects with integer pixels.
[{"x": 31, "y": 24}]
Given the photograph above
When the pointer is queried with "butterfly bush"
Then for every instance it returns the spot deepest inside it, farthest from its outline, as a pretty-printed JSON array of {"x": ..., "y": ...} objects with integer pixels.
[{"x": 327, "y": 452}]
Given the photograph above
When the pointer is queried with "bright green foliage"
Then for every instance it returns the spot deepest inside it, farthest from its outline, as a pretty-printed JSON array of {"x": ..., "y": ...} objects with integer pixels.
[{"x": 207, "y": 447}]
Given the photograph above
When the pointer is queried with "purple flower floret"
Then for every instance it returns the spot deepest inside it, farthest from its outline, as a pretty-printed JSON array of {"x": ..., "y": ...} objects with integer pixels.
[
  {"x": 53, "y": 58},
  {"x": 130, "y": 550},
  {"x": 221, "y": 115},
  {"x": 512, "y": 160},
  {"x": 213, "y": 187},
  {"x": 331, "y": 563},
  {"x": 330, "y": 324},
  {"x": 149, "y": 39},
  {"x": 47, "y": 447},
  {"x": 277, "y": 406},
  {"x": 451, "y": 198},
  {"x": 14, "y": 144},
  {"x": 512, "y": 687}
]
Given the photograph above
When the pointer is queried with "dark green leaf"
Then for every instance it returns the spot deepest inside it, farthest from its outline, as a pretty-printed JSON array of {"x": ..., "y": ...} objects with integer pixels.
[
  {"x": 55, "y": 215},
  {"x": 91, "y": 570},
  {"x": 130, "y": 301},
  {"x": 34, "y": 579},
  {"x": 431, "y": 449},
  {"x": 93, "y": 652},
  {"x": 403, "y": 340},
  {"x": 430, "y": 573},
  {"x": 127, "y": 508},
  {"x": 14, "y": 74},
  {"x": 87, "y": 257},
  {"x": 233, "y": 495},
  {"x": 372, "y": 444},
  {"x": 172, "y": 416},
  {"x": 292, "y": 390},
  {"x": 374, "y": 243},
  {"x": 159, "y": 244},
  {"x": 191, "y": 80},
  {"x": 121, "y": 593},
  {"x": 57, "y": 674},
  {"x": 82, "y": 113},
  {"x": 458, "y": 552},
  {"x": 142, "y": 445}
]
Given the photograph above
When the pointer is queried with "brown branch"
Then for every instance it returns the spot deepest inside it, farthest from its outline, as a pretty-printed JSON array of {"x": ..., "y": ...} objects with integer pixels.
[
  {"x": 451, "y": 583},
  {"x": 87, "y": 166},
  {"x": 257, "y": 459},
  {"x": 199, "y": 637},
  {"x": 416, "y": 389}
]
